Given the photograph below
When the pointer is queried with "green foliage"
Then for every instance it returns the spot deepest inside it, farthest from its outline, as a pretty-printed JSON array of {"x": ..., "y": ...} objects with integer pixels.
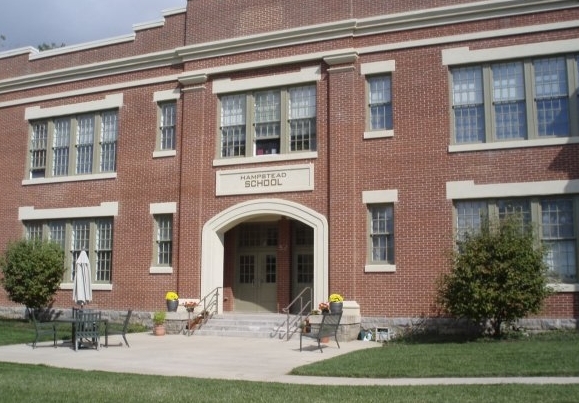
[
  {"x": 47, "y": 46},
  {"x": 498, "y": 276},
  {"x": 159, "y": 317},
  {"x": 32, "y": 272}
]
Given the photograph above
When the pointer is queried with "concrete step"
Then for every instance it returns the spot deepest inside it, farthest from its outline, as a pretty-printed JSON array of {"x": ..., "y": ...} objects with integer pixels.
[{"x": 244, "y": 325}]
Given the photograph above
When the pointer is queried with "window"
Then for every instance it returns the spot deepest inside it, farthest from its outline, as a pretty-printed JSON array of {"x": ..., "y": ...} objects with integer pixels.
[
  {"x": 516, "y": 100},
  {"x": 74, "y": 145},
  {"x": 94, "y": 236},
  {"x": 555, "y": 218},
  {"x": 167, "y": 122},
  {"x": 273, "y": 121},
  {"x": 381, "y": 234},
  {"x": 164, "y": 239},
  {"x": 380, "y": 103}
]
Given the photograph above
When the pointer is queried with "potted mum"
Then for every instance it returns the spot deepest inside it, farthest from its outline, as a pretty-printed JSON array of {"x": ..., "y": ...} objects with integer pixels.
[
  {"x": 172, "y": 301},
  {"x": 159, "y": 323},
  {"x": 336, "y": 303}
]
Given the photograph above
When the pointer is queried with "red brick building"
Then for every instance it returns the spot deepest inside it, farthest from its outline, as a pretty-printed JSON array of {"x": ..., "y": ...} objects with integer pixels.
[{"x": 268, "y": 146}]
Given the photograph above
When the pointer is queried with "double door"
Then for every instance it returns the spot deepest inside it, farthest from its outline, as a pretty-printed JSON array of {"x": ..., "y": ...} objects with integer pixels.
[{"x": 256, "y": 282}]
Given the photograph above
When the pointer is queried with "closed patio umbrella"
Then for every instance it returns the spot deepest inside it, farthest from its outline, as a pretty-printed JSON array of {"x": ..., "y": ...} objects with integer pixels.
[{"x": 82, "y": 288}]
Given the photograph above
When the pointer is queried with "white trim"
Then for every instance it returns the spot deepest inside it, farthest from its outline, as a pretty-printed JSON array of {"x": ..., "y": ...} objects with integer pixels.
[
  {"x": 212, "y": 244},
  {"x": 109, "y": 102},
  {"x": 94, "y": 286},
  {"x": 164, "y": 153},
  {"x": 18, "y": 52},
  {"x": 70, "y": 178},
  {"x": 380, "y": 196},
  {"x": 141, "y": 26},
  {"x": 469, "y": 190},
  {"x": 173, "y": 11},
  {"x": 306, "y": 74},
  {"x": 105, "y": 209},
  {"x": 160, "y": 270},
  {"x": 464, "y": 55},
  {"x": 378, "y": 134},
  {"x": 386, "y": 66},
  {"x": 503, "y": 145},
  {"x": 163, "y": 208},
  {"x": 380, "y": 268},
  {"x": 167, "y": 95},
  {"x": 265, "y": 158},
  {"x": 82, "y": 46},
  {"x": 559, "y": 287}
]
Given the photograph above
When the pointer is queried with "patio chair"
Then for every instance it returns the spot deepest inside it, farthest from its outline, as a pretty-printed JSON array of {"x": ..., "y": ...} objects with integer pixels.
[
  {"x": 327, "y": 328},
  {"x": 42, "y": 328},
  {"x": 87, "y": 329},
  {"x": 123, "y": 331}
]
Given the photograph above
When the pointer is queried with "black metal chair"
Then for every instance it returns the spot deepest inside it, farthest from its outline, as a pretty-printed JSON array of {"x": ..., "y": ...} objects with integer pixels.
[
  {"x": 42, "y": 328},
  {"x": 327, "y": 328},
  {"x": 87, "y": 329},
  {"x": 123, "y": 331}
]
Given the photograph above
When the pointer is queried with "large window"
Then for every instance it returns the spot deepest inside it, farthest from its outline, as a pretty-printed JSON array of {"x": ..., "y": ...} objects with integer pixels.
[
  {"x": 554, "y": 218},
  {"x": 274, "y": 121},
  {"x": 515, "y": 100},
  {"x": 94, "y": 236},
  {"x": 74, "y": 145},
  {"x": 381, "y": 230},
  {"x": 380, "y": 103}
]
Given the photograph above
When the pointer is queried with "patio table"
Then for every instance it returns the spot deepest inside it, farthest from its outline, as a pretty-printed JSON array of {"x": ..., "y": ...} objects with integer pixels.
[{"x": 72, "y": 321}]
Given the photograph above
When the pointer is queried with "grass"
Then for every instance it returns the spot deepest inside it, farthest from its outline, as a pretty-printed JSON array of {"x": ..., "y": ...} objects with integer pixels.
[{"x": 555, "y": 354}]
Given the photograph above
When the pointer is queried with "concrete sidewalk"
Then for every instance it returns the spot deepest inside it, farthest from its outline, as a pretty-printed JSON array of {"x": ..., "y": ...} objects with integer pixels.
[{"x": 249, "y": 359}]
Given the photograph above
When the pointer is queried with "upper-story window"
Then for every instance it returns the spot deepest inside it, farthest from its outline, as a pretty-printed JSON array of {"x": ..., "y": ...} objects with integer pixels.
[
  {"x": 74, "y": 145},
  {"x": 272, "y": 121},
  {"x": 380, "y": 103},
  {"x": 515, "y": 100},
  {"x": 167, "y": 123}
]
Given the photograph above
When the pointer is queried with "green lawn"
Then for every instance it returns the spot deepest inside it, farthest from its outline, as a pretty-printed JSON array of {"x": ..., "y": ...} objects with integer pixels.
[{"x": 556, "y": 354}]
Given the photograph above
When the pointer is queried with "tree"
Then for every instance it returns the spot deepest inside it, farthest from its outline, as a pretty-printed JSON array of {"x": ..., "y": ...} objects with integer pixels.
[
  {"x": 47, "y": 46},
  {"x": 498, "y": 275},
  {"x": 32, "y": 272}
]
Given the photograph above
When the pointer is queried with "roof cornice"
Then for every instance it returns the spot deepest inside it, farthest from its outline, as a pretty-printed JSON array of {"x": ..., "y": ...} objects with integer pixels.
[{"x": 315, "y": 33}]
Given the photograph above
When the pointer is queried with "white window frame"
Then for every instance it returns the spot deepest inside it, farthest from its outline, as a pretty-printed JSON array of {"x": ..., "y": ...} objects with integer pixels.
[
  {"x": 379, "y": 198},
  {"x": 375, "y": 69},
  {"x": 463, "y": 56},
  {"x": 225, "y": 87},
  {"x": 156, "y": 210},
  {"x": 468, "y": 190},
  {"x": 161, "y": 98}
]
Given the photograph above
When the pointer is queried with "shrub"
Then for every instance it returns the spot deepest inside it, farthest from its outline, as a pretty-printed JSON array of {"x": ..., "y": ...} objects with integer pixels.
[
  {"x": 32, "y": 272},
  {"x": 498, "y": 275}
]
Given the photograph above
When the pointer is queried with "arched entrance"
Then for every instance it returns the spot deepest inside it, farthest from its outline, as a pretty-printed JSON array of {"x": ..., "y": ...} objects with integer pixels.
[{"x": 212, "y": 255}]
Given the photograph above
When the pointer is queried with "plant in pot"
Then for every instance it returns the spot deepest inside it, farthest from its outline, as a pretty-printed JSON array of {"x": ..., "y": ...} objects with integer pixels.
[
  {"x": 159, "y": 323},
  {"x": 336, "y": 303},
  {"x": 172, "y": 301}
]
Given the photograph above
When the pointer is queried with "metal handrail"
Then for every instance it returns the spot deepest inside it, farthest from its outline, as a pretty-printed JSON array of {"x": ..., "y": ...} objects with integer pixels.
[
  {"x": 210, "y": 304},
  {"x": 290, "y": 321}
]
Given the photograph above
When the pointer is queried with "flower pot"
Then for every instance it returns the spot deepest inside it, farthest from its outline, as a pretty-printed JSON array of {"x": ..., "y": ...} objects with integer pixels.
[
  {"x": 172, "y": 305},
  {"x": 336, "y": 307},
  {"x": 325, "y": 340},
  {"x": 159, "y": 330}
]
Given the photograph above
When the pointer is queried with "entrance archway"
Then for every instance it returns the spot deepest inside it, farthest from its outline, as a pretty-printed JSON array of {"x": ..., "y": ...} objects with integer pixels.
[{"x": 212, "y": 248}]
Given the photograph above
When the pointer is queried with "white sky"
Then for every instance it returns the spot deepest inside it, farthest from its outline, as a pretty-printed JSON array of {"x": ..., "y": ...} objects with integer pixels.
[{"x": 33, "y": 22}]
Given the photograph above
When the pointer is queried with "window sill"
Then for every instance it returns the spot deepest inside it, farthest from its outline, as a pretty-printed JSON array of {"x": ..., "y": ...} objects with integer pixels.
[
  {"x": 264, "y": 158},
  {"x": 164, "y": 153},
  {"x": 378, "y": 134},
  {"x": 161, "y": 270},
  {"x": 94, "y": 286},
  {"x": 74, "y": 178},
  {"x": 501, "y": 145},
  {"x": 558, "y": 287},
  {"x": 380, "y": 268}
]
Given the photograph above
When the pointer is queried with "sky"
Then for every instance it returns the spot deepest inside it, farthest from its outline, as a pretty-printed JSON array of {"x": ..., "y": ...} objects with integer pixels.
[{"x": 33, "y": 22}]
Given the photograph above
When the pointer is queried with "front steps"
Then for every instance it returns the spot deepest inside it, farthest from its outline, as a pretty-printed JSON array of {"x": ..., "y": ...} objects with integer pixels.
[{"x": 245, "y": 325}]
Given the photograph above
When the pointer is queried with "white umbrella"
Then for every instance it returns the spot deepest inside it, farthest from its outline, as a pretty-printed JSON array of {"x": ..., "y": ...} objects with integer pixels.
[{"x": 82, "y": 289}]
